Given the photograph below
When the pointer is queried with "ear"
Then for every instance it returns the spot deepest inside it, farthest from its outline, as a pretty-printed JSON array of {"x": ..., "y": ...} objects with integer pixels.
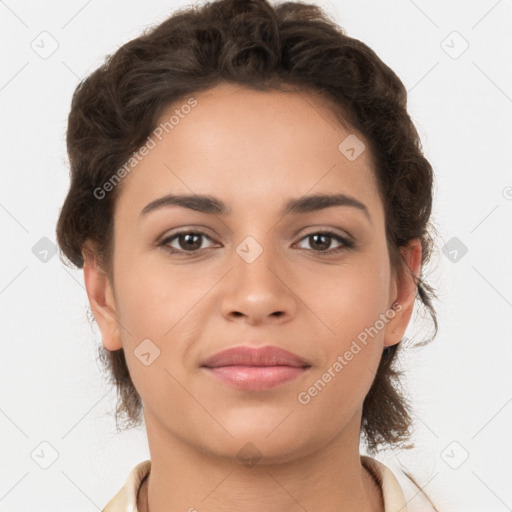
[
  {"x": 404, "y": 293},
  {"x": 101, "y": 298}
]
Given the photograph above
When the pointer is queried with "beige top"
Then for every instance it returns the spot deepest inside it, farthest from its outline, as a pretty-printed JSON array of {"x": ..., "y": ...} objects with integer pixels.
[{"x": 394, "y": 500}]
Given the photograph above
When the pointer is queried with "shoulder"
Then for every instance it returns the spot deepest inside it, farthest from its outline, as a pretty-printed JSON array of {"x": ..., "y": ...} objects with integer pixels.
[
  {"x": 125, "y": 499},
  {"x": 399, "y": 490}
]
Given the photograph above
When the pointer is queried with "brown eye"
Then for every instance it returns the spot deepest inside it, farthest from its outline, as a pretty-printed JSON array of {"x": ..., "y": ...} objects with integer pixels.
[
  {"x": 185, "y": 241},
  {"x": 322, "y": 241},
  {"x": 190, "y": 241}
]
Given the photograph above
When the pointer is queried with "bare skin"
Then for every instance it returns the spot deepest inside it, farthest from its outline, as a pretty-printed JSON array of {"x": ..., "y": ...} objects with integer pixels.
[
  {"x": 372, "y": 490},
  {"x": 254, "y": 151}
]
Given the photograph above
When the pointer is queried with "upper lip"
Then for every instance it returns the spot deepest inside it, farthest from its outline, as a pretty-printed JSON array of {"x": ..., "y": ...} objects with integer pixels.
[{"x": 244, "y": 355}]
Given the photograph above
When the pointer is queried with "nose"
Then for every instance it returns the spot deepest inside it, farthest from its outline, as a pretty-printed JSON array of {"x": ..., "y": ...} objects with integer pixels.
[{"x": 259, "y": 288}]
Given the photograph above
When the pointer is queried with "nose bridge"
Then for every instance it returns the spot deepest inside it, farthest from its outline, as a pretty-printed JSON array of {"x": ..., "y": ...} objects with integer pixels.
[
  {"x": 256, "y": 260},
  {"x": 257, "y": 290}
]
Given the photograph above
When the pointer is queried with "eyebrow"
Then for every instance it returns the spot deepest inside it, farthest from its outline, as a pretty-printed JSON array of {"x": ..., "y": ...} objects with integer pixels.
[{"x": 212, "y": 205}]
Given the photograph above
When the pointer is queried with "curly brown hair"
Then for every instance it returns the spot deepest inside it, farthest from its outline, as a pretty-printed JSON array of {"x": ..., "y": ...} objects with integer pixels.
[{"x": 264, "y": 47}]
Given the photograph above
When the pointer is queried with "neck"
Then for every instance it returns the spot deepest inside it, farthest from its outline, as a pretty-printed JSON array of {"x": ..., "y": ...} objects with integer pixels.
[{"x": 185, "y": 478}]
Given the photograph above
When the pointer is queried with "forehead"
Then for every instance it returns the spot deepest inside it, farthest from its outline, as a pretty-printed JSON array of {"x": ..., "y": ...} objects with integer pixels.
[{"x": 246, "y": 145}]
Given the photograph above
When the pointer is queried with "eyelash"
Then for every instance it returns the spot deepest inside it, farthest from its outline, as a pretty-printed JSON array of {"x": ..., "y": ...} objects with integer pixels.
[{"x": 347, "y": 244}]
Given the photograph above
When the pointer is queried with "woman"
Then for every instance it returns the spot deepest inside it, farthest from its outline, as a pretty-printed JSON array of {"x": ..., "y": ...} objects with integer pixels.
[{"x": 250, "y": 204}]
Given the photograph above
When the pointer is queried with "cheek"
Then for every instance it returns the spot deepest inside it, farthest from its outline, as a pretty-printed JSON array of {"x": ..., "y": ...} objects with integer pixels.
[
  {"x": 351, "y": 305},
  {"x": 153, "y": 297},
  {"x": 167, "y": 305},
  {"x": 352, "y": 297},
  {"x": 153, "y": 307},
  {"x": 351, "y": 343}
]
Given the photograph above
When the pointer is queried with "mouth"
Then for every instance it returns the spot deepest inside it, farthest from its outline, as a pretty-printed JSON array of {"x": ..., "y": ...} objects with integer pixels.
[
  {"x": 255, "y": 369},
  {"x": 256, "y": 378}
]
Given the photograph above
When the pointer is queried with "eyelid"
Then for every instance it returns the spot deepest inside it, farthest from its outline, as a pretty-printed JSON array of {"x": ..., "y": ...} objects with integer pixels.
[
  {"x": 167, "y": 238},
  {"x": 331, "y": 230},
  {"x": 346, "y": 240},
  {"x": 305, "y": 231}
]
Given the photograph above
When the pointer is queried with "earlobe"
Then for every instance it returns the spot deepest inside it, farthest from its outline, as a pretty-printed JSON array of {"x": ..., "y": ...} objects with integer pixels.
[
  {"x": 406, "y": 288},
  {"x": 101, "y": 299}
]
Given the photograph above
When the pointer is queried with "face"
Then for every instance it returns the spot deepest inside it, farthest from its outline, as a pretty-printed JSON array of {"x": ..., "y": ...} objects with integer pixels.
[{"x": 191, "y": 281}]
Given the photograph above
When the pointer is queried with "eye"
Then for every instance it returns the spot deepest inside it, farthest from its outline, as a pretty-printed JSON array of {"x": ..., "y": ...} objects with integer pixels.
[
  {"x": 192, "y": 242},
  {"x": 322, "y": 241},
  {"x": 185, "y": 241}
]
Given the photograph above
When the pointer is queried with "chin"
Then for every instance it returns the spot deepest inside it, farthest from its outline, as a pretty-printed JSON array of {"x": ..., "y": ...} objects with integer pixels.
[{"x": 265, "y": 442}]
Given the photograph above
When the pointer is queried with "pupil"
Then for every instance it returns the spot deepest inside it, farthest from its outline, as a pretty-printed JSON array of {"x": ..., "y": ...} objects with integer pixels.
[
  {"x": 189, "y": 241},
  {"x": 324, "y": 245}
]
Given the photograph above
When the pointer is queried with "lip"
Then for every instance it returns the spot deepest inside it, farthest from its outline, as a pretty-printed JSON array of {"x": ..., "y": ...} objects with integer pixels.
[
  {"x": 255, "y": 369},
  {"x": 244, "y": 355}
]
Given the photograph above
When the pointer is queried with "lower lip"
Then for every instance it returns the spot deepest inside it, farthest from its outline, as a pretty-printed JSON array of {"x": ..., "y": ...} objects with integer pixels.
[{"x": 256, "y": 378}]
